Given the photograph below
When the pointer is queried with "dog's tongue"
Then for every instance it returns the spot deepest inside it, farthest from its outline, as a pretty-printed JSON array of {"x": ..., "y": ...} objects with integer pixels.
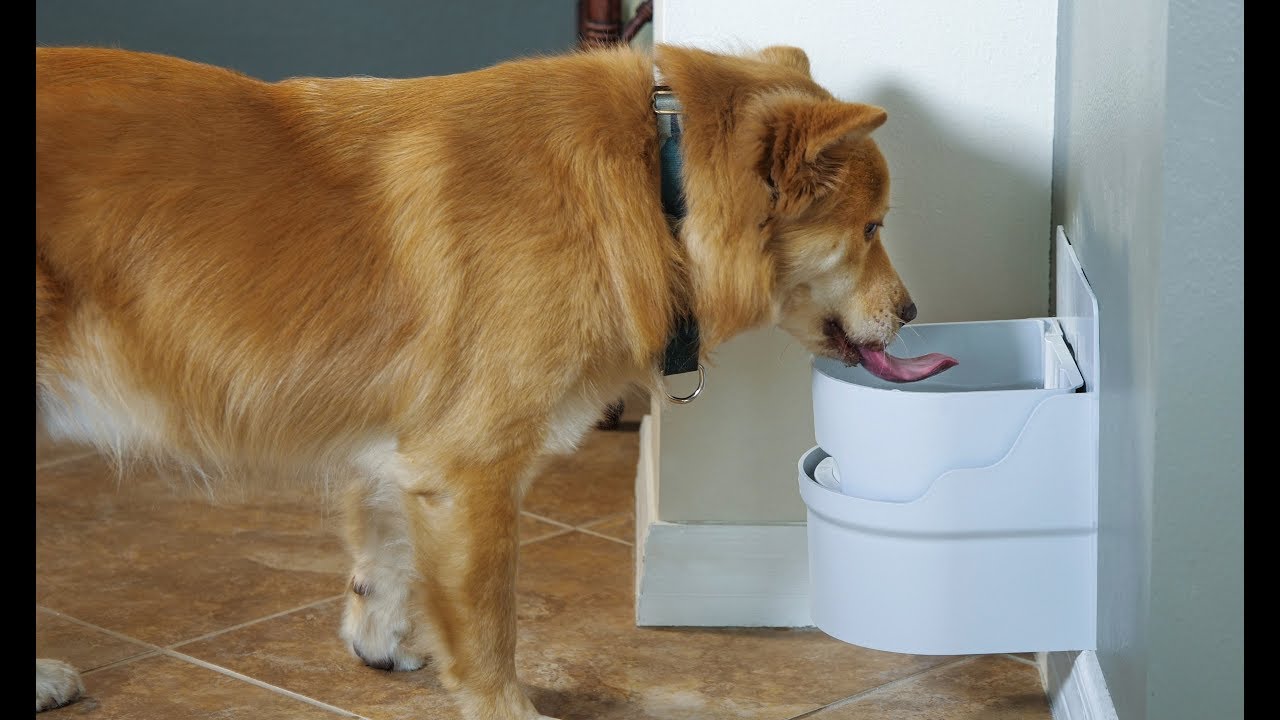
[{"x": 900, "y": 370}]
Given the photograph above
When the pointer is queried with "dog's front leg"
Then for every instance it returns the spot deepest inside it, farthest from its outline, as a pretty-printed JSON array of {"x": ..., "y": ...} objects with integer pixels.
[
  {"x": 465, "y": 536},
  {"x": 382, "y": 624}
]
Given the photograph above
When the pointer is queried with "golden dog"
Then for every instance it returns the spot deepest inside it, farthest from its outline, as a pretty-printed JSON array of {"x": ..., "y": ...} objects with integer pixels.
[{"x": 421, "y": 287}]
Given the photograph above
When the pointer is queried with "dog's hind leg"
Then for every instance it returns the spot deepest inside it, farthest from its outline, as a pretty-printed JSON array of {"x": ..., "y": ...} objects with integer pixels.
[
  {"x": 57, "y": 684},
  {"x": 381, "y": 624}
]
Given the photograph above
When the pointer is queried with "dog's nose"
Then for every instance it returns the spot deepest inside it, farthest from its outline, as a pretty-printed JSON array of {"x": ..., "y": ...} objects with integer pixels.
[{"x": 907, "y": 312}]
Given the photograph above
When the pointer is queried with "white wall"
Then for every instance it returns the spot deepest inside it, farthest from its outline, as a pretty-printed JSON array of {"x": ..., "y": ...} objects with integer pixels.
[
  {"x": 730, "y": 456},
  {"x": 969, "y": 88}
]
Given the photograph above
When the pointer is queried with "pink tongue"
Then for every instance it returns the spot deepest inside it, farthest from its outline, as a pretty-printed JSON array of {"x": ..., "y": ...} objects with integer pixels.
[{"x": 887, "y": 367}]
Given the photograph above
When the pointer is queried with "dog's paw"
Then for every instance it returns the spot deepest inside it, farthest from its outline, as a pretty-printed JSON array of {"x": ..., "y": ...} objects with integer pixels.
[
  {"x": 377, "y": 628},
  {"x": 57, "y": 684}
]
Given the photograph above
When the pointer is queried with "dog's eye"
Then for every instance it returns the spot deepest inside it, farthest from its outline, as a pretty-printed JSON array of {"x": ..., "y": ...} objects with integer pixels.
[{"x": 870, "y": 230}]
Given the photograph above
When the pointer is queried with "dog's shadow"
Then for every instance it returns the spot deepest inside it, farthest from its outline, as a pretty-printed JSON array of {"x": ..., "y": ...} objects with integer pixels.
[{"x": 581, "y": 704}]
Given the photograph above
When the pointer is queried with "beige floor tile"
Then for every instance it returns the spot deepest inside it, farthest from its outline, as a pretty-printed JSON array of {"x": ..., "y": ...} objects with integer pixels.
[
  {"x": 123, "y": 551},
  {"x": 597, "y": 482},
  {"x": 49, "y": 451},
  {"x": 983, "y": 688},
  {"x": 580, "y": 655},
  {"x": 129, "y": 554},
  {"x": 84, "y": 648},
  {"x": 583, "y": 657},
  {"x": 532, "y": 529},
  {"x": 162, "y": 687},
  {"x": 303, "y": 653},
  {"x": 622, "y": 527}
]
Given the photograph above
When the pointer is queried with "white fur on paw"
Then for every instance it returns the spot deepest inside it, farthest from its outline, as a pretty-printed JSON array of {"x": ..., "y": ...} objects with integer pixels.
[
  {"x": 57, "y": 684},
  {"x": 376, "y": 625}
]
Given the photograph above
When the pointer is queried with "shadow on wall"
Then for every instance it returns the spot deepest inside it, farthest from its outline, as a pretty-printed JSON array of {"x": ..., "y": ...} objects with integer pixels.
[{"x": 969, "y": 226}]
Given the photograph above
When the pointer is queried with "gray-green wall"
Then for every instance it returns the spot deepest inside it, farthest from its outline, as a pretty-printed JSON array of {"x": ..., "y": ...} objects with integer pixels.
[
  {"x": 273, "y": 39},
  {"x": 1148, "y": 182}
]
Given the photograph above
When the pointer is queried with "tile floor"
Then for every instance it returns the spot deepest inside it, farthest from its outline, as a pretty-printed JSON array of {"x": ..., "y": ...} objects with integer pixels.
[{"x": 175, "y": 607}]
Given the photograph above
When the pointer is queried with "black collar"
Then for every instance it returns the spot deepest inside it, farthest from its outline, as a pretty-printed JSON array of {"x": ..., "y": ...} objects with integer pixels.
[{"x": 681, "y": 355}]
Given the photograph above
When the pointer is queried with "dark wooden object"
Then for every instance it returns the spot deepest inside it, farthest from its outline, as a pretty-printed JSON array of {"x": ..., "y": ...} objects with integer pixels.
[{"x": 599, "y": 22}]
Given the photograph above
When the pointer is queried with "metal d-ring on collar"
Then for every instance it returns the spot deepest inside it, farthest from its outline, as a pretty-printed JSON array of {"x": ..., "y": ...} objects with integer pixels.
[
  {"x": 681, "y": 354},
  {"x": 702, "y": 376}
]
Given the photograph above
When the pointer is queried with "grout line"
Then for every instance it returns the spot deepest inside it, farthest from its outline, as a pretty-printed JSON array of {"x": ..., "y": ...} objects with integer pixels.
[
  {"x": 584, "y": 529},
  {"x": 584, "y": 526},
  {"x": 1024, "y": 661},
  {"x": 559, "y": 531},
  {"x": 201, "y": 663},
  {"x": 122, "y": 661},
  {"x": 272, "y": 616},
  {"x": 152, "y": 650},
  {"x": 605, "y": 519},
  {"x": 545, "y": 519},
  {"x": 880, "y": 688},
  {"x": 99, "y": 628},
  {"x": 620, "y": 541},
  {"x": 259, "y": 683},
  {"x": 64, "y": 459}
]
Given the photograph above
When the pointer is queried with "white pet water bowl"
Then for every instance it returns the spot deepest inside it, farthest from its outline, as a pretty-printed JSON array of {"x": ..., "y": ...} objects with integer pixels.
[
  {"x": 964, "y": 517},
  {"x": 890, "y": 441}
]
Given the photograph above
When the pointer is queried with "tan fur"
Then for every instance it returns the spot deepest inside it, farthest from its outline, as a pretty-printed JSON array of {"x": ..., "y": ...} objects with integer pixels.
[{"x": 421, "y": 287}]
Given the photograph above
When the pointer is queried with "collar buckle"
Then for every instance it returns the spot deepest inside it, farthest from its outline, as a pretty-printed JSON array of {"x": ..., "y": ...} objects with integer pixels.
[{"x": 664, "y": 101}]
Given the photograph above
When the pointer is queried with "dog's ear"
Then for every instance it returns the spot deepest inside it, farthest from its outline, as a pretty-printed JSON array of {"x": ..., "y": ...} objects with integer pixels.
[
  {"x": 804, "y": 143},
  {"x": 786, "y": 56}
]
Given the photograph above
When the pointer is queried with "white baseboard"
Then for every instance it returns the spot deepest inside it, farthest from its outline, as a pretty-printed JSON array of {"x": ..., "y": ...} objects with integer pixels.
[
  {"x": 700, "y": 575},
  {"x": 1075, "y": 686},
  {"x": 646, "y": 488},
  {"x": 713, "y": 575}
]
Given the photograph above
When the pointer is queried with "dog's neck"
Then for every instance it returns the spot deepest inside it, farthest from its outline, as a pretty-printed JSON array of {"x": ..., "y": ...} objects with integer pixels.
[{"x": 681, "y": 354}]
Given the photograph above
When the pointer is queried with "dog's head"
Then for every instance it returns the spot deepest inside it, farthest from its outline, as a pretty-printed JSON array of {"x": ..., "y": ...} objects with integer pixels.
[{"x": 787, "y": 196}]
